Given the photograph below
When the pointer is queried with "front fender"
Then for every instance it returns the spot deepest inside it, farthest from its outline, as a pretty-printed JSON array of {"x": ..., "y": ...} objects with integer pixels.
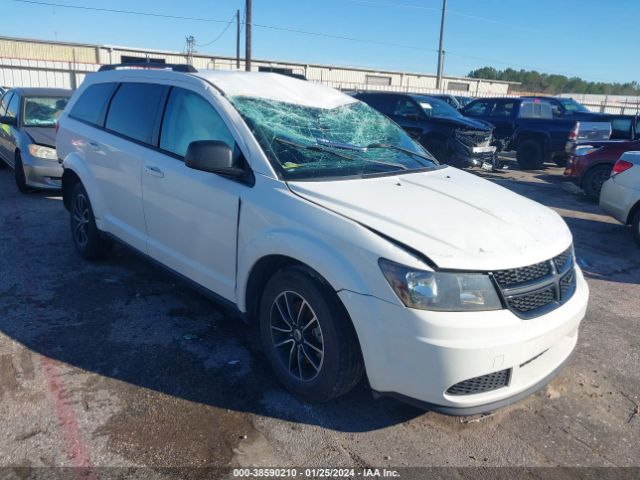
[
  {"x": 331, "y": 264},
  {"x": 73, "y": 162}
]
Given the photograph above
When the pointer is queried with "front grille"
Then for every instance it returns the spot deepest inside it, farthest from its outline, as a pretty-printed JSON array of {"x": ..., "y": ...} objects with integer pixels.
[
  {"x": 532, "y": 301},
  {"x": 537, "y": 289},
  {"x": 567, "y": 284},
  {"x": 472, "y": 138},
  {"x": 518, "y": 276},
  {"x": 485, "y": 383}
]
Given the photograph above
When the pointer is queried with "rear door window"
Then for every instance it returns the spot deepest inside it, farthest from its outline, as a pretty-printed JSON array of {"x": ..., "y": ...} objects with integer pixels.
[
  {"x": 503, "y": 109},
  {"x": 189, "y": 117},
  {"x": 135, "y": 109},
  {"x": 383, "y": 103},
  {"x": 621, "y": 128},
  {"x": 91, "y": 107},
  {"x": 479, "y": 108}
]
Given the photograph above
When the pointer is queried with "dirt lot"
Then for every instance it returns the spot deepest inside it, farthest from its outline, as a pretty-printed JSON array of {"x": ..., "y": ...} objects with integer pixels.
[{"x": 118, "y": 364}]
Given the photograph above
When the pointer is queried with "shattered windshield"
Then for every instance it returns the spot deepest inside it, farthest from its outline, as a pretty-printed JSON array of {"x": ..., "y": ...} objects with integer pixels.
[
  {"x": 306, "y": 143},
  {"x": 43, "y": 111}
]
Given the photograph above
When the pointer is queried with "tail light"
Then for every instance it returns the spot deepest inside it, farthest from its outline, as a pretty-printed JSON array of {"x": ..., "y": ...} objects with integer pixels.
[
  {"x": 621, "y": 166},
  {"x": 573, "y": 134}
]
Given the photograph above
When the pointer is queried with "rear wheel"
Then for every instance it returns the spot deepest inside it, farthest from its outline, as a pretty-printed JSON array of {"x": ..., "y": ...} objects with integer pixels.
[
  {"x": 87, "y": 239},
  {"x": 635, "y": 225},
  {"x": 308, "y": 336},
  {"x": 18, "y": 171},
  {"x": 593, "y": 180},
  {"x": 530, "y": 155}
]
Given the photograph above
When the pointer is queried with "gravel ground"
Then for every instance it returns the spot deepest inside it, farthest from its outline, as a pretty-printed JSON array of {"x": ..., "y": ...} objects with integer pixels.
[{"x": 117, "y": 364}]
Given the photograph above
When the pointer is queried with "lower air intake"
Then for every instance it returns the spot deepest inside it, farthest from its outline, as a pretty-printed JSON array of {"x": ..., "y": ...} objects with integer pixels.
[{"x": 485, "y": 383}]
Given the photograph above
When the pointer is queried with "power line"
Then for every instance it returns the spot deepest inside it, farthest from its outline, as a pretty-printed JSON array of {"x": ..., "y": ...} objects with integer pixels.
[
  {"x": 202, "y": 19},
  {"x": 127, "y": 12},
  {"x": 221, "y": 33},
  {"x": 290, "y": 30}
]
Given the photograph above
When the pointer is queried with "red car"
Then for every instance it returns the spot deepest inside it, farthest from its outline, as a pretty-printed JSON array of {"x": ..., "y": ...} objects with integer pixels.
[{"x": 589, "y": 164}]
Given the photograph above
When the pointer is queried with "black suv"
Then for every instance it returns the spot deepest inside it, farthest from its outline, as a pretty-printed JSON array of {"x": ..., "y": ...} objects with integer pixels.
[{"x": 441, "y": 129}]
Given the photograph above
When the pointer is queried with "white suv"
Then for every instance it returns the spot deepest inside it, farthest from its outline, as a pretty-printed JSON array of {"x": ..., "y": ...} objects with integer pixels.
[{"x": 322, "y": 221}]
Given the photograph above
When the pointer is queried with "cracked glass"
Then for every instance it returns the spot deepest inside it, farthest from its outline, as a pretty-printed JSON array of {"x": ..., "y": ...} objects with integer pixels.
[{"x": 306, "y": 143}]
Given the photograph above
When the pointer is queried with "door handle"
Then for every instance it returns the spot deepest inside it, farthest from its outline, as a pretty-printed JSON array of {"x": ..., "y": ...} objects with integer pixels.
[
  {"x": 153, "y": 170},
  {"x": 94, "y": 145}
]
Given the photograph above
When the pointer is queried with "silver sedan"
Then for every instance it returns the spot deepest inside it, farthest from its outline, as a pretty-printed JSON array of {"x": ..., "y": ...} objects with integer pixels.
[
  {"x": 28, "y": 117},
  {"x": 620, "y": 195}
]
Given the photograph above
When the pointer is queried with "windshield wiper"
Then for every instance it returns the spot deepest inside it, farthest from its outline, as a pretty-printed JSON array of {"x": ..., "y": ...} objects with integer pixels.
[
  {"x": 312, "y": 147},
  {"x": 403, "y": 150},
  {"x": 319, "y": 148}
]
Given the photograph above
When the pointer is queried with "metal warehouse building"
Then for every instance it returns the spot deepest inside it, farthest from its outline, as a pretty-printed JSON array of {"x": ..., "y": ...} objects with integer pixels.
[{"x": 37, "y": 63}]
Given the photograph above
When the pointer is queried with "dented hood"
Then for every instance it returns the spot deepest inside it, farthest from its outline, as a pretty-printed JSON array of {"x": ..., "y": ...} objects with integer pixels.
[{"x": 457, "y": 219}]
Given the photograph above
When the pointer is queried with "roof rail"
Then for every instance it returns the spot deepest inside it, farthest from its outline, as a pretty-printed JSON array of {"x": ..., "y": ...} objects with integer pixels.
[{"x": 176, "y": 67}]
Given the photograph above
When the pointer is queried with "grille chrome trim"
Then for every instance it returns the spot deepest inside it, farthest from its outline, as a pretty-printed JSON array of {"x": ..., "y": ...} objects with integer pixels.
[{"x": 537, "y": 289}]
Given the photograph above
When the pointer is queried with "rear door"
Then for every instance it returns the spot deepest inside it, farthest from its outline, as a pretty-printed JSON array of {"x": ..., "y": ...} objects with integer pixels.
[
  {"x": 192, "y": 216},
  {"x": 502, "y": 116},
  {"x": 117, "y": 154}
]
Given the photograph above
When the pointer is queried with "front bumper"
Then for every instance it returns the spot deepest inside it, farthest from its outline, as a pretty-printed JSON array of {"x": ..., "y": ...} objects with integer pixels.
[
  {"x": 418, "y": 355},
  {"x": 42, "y": 173}
]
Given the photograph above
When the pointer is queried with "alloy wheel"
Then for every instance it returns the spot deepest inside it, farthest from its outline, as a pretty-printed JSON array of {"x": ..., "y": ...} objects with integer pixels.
[
  {"x": 297, "y": 336},
  {"x": 81, "y": 220}
]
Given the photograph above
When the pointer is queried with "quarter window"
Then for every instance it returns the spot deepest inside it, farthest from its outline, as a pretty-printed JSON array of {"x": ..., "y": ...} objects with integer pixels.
[
  {"x": 4, "y": 102},
  {"x": 134, "y": 110},
  {"x": 188, "y": 118},
  {"x": 14, "y": 106},
  {"x": 91, "y": 107}
]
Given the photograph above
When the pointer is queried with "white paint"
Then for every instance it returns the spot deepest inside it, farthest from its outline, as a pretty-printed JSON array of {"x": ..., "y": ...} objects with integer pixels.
[{"x": 273, "y": 86}]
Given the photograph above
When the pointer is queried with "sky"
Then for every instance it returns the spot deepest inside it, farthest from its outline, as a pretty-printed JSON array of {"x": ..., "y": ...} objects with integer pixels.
[{"x": 593, "y": 39}]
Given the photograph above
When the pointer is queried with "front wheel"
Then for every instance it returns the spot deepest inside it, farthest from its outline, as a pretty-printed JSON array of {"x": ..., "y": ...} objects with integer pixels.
[
  {"x": 18, "y": 171},
  {"x": 308, "y": 336},
  {"x": 87, "y": 239},
  {"x": 530, "y": 155}
]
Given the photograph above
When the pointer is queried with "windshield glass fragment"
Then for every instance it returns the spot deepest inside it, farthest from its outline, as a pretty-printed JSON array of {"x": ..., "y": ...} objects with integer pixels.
[{"x": 307, "y": 143}]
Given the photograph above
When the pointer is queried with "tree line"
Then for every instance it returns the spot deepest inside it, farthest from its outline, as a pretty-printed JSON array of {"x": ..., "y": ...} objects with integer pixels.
[{"x": 553, "y": 84}]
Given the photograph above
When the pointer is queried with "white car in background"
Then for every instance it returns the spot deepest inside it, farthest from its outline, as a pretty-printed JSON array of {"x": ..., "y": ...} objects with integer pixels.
[
  {"x": 308, "y": 212},
  {"x": 620, "y": 195}
]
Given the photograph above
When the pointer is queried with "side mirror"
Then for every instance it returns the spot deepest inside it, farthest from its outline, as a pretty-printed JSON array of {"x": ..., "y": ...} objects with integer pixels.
[
  {"x": 9, "y": 121},
  {"x": 213, "y": 156}
]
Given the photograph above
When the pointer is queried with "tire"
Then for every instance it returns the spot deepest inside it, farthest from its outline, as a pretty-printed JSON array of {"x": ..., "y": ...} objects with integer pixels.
[
  {"x": 87, "y": 239},
  {"x": 593, "y": 180},
  {"x": 316, "y": 360},
  {"x": 635, "y": 225},
  {"x": 530, "y": 155},
  {"x": 18, "y": 171}
]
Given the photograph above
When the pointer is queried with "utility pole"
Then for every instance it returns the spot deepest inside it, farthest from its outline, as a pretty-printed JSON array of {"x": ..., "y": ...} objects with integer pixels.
[
  {"x": 247, "y": 41},
  {"x": 238, "y": 40},
  {"x": 441, "y": 50},
  {"x": 191, "y": 48}
]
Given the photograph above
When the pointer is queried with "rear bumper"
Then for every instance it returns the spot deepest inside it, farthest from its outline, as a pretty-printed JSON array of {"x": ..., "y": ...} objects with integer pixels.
[
  {"x": 617, "y": 200},
  {"x": 418, "y": 355}
]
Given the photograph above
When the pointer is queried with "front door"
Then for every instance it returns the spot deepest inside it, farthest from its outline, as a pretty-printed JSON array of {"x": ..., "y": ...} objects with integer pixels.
[{"x": 191, "y": 216}]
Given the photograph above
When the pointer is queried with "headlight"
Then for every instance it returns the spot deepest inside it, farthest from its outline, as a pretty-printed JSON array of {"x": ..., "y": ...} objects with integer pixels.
[
  {"x": 441, "y": 291},
  {"x": 41, "y": 151}
]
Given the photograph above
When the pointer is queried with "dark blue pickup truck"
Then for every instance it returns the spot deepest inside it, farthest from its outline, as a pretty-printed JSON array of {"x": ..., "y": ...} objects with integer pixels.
[{"x": 535, "y": 128}]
